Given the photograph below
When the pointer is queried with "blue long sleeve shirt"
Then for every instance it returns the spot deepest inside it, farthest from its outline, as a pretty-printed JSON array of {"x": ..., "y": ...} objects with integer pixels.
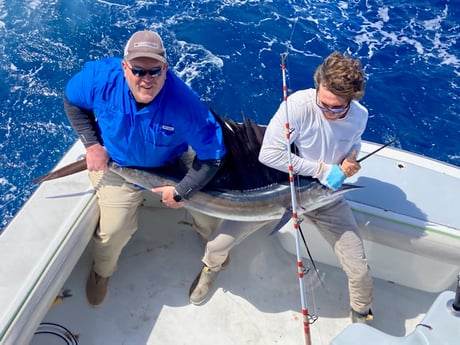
[{"x": 153, "y": 135}]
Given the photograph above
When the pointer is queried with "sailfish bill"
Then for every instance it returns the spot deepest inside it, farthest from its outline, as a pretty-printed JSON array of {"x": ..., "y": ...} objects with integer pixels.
[{"x": 69, "y": 169}]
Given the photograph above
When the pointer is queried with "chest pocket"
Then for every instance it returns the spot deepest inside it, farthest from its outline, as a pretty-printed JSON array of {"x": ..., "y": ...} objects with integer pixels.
[
  {"x": 161, "y": 136},
  {"x": 161, "y": 144}
]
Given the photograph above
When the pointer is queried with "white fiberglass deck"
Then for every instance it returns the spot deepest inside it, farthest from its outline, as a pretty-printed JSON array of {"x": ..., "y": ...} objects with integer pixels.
[{"x": 256, "y": 299}]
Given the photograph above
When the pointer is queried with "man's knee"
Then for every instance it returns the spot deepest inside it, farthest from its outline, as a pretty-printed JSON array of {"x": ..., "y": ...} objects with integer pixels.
[{"x": 205, "y": 225}]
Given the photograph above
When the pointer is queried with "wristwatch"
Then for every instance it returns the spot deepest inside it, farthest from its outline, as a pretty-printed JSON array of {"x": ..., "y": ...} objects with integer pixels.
[{"x": 177, "y": 197}]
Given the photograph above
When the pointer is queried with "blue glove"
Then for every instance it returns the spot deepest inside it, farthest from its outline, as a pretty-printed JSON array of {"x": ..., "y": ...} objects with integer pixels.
[{"x": 331, "y": 176}]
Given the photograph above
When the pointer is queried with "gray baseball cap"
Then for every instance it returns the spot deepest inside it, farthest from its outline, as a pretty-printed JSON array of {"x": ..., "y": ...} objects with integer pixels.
[{"x": 145, "y": 44}]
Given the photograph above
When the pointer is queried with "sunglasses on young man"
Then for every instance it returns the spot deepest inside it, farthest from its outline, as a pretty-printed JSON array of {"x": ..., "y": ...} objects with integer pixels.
[{"x": 333, "y": 111}]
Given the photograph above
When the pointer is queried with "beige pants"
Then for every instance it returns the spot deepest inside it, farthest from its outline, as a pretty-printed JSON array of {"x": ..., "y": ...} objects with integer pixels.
[
  {"x": 337, "y": 224},
  {"x": 222, "y": 236},
  {"x": 118, "y": 202}
]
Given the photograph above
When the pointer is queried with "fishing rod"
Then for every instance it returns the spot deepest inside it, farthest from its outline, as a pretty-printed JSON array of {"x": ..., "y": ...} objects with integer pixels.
[
  {"x": 374, "y": 152},
  {"x": 295, "y": 220}
]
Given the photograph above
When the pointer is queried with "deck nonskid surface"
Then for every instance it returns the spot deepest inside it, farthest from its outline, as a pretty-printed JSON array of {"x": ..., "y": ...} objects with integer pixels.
[{"x": 256, "y": 300}]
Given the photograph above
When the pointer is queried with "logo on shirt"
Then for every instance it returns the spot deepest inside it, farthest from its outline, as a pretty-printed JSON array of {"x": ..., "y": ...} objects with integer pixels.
[{"x": 167, "y": 129}]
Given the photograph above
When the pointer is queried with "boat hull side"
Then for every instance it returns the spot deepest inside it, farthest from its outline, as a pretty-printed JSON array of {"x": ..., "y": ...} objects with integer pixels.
[
  {"x": 40, "y": 247},
  {"x": 399, "y": 249}
]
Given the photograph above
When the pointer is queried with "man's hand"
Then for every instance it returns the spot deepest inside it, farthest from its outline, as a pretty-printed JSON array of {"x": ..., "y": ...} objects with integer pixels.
[
  {"x": 97, "y": 158},
  {"x": 331, "y": 176},
  {"x": 349, "y": 165},
  {"x": 167, "y": 196}
]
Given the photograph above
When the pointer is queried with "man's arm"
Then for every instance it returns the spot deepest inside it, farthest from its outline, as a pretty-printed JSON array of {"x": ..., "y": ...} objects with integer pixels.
[
  {"x": 201, "y": 172},
  {"x": 274, "y": 151},
  {"x": 83, "y": 122},
  {"x": 196, "y": 178}
]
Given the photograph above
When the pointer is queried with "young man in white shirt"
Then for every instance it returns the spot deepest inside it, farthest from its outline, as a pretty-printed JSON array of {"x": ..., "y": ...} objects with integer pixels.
[{"x": 327, "y": 123}]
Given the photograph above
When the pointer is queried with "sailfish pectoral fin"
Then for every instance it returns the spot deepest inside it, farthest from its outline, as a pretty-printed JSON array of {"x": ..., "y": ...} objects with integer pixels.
[
  {"x": 69, "y": 169},
  {"x": 283, "y": 221}
]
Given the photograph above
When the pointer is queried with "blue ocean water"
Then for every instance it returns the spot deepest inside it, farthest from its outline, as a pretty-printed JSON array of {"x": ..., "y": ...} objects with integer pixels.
[{"x": 229, "y": 52}]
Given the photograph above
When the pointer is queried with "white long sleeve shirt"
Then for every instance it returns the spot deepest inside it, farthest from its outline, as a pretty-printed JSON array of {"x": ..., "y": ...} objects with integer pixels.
[{"x": 317, "y": 139}]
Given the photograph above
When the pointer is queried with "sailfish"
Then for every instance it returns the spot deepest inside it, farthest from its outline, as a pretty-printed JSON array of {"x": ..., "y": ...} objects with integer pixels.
[{"x": 243, "y": 189}]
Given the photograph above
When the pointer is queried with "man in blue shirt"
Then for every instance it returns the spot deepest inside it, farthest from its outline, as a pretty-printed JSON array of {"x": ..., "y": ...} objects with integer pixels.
[{"x": 138, "y": 113}]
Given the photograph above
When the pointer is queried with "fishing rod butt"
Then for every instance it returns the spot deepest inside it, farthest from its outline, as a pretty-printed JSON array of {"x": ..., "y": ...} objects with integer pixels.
[{"x": 377, "y": 150}]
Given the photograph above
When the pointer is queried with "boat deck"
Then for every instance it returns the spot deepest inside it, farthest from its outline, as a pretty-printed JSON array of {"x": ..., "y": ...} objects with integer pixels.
[{"x": 255, "y": 300}]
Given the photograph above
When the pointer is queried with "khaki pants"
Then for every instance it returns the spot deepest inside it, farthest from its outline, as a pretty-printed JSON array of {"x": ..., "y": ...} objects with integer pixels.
[
  {"x": 337, "y": 224},
  {"x": 118, "y": 202},
  {"x": 222, "y": 236}
]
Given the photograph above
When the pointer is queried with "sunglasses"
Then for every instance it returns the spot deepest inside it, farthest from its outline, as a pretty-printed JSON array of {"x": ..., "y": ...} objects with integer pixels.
[
  {"x": 334, "y": 111},
  {"x": 142, "y": 72}
]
